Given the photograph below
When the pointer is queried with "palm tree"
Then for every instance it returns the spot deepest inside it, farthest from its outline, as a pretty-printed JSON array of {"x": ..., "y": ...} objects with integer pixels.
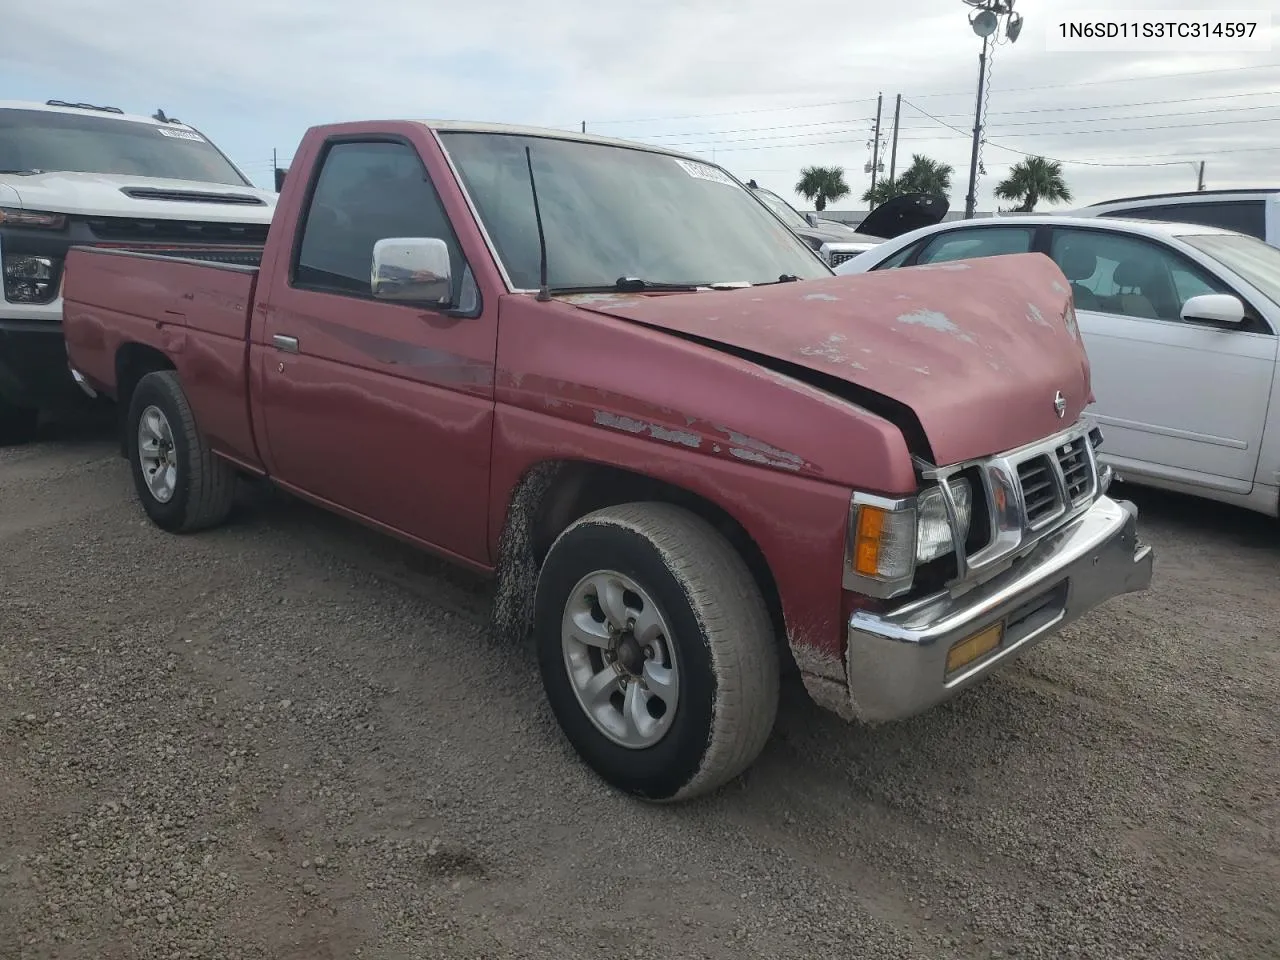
[
  {"x": 822, "y": 185},
  {"x": 926, "y": 175},
  {"x": 882, "y": 192},
  {"x": 1032, "y": 180}
]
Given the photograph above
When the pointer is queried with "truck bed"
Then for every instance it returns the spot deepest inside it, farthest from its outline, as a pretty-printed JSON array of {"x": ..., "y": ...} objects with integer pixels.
[{"x": 191, "y": 309}]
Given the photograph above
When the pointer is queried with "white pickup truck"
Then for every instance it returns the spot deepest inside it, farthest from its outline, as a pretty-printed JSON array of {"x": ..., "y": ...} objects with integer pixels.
[{"x": 78, "y": 174}]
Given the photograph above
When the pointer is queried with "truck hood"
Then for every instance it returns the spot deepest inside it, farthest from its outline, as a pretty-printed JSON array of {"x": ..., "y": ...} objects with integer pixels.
[
  {"x": 114, "y": 195},
  {"x": 978, "y": 350}
]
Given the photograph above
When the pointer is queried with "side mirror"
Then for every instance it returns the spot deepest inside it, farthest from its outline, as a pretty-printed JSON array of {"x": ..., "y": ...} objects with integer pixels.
[
  {"x": 1214, "y": 308},
  {"x": 811, "y": 219},
  {"x": 414, "y": 269}
]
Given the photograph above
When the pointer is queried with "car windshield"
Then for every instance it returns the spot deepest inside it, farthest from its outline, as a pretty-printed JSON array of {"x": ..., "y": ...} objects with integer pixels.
[
  {"x": 610, "y": 212},
  {"x": 784, "y": 210},
  {"x": 45, "y": 141},
  {"x": 1257, "y": 262}
]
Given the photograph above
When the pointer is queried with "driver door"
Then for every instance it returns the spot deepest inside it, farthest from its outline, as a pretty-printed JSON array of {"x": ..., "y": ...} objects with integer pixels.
[
  {"x": 382, "y": 409},
  {"x": 1179, "y": 400}
]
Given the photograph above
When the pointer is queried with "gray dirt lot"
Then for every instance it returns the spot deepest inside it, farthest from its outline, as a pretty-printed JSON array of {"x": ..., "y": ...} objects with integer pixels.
[{"x": 291, "y": 738}]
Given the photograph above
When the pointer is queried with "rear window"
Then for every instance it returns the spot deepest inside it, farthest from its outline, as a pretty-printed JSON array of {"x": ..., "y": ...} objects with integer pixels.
[
  {"x": 1244, "y": 216},
  {"x": 47, "y": 141}
]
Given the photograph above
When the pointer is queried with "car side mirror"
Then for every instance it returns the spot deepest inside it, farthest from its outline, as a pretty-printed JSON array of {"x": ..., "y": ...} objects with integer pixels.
[
  {"x": 1214, "y": 308},
  {"x": 811, "y": 219},
  {"x": 412, "y": 269}
]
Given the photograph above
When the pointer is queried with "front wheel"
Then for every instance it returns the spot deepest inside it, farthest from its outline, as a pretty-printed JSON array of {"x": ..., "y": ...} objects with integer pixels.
[
  {"x": 656, "y": 650},
  {"x": 182, "y": 484}
]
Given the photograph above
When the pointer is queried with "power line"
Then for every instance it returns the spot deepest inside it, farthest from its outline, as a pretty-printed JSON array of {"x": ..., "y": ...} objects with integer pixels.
[
  {"x": 1142, "y": 116},
  {"x": 1155, "y": 160},
  {"x": 1167, "y": 126},
  {"x": 1095, "y": 83},
  {"x": 792, "y": 140},
  {"x": 869, "y": 100},
  {"x": 1022, "y": 123},
  {"x": 785, "y": 126},
  {"x": 700, "y": 134},
  {"x": 1122, "y": 106},
  {"x": 739, "y": 113}
]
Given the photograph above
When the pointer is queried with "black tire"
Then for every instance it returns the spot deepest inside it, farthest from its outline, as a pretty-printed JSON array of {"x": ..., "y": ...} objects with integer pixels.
[
  {"x": 721, "y": 632},
  {"x": 18, "y": 425},
  {"x": 205, "y": 483}
]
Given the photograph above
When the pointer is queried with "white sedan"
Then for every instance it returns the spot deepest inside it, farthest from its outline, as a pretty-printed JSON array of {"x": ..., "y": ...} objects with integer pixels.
[{"x": 1180, "y": 323}]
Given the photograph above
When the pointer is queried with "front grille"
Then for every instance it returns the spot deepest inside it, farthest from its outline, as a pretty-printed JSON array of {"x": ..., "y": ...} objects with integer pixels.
[
  {"x": 192, "y": 196},
  {"x": 1073, "y": 458},
  {"x": 143, "y": 230},
  {"x": 840, "y": 256},
  {"x": 1039, "y": 492},
  {"x": 1021, "y": 498}
]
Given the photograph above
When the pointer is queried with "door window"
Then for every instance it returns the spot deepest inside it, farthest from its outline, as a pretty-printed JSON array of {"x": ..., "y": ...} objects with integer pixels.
[
  {"x": 971, "y": 242},
  {"x": 367, "y": 192},
  {"x": 1244, "y": 216},
  {"x": 1129, "y": 276}
]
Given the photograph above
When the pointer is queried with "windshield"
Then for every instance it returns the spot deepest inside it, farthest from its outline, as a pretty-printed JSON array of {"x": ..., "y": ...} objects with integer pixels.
[
  {"x": 784, "y": 210},
  {"x": 40, "y": 141},
  {"x": 1257, "y": 262},
  {"x": 611, "y": 212}
]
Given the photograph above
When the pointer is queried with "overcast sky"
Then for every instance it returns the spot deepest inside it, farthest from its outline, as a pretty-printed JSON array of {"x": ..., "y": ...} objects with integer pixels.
[{"x": 764, "y": 87}]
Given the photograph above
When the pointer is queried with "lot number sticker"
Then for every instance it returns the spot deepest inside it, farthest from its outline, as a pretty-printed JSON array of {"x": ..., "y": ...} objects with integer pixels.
[
  {"x": 704, "y": 172},
  {"x": 179, "y": 134}
]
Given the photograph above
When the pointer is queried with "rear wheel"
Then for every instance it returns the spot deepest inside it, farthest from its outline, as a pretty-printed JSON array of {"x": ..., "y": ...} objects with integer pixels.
[
  {"x": 656, "y": 650},
  {"x": 17, "y": 424},
  {"x": 183, "y": 486}
]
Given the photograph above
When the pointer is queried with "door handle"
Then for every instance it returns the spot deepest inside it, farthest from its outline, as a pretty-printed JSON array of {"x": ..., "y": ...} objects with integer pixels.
[{"x": 287, "y": 344}]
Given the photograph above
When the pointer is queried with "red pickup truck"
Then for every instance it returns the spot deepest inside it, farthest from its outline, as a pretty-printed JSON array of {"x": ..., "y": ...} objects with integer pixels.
[{"x": 609, "y": 376}]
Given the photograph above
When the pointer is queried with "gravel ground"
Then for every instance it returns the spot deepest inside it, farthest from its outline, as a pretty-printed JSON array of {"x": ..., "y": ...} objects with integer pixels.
[{"x": 291, "y": 738}]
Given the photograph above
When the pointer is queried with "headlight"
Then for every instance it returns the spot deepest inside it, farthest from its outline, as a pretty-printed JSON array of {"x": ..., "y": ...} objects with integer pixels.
[
  {"x": 933, "y": 539},
  {"x": 30, "y": 279},
  {"x": 888, "y": 539},
  {"x": 13, "y": 217}
]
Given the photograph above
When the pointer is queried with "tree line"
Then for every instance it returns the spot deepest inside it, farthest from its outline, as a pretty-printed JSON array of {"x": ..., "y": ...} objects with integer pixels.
[{"x": 1029, "y": 182}]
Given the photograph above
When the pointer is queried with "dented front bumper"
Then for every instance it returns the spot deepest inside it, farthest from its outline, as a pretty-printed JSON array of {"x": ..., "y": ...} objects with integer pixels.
[{"x": 896, "y": 663}]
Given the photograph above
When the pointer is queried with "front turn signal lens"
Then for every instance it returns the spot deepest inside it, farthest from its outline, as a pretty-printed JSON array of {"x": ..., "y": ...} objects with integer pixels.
[
  {"x": 966, "y": 651},
  {"x": 884, "y": 542}
]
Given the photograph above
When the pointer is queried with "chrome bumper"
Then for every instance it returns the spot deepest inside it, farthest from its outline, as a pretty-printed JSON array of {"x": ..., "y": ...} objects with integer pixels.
[{"x": 896, "y": 662}]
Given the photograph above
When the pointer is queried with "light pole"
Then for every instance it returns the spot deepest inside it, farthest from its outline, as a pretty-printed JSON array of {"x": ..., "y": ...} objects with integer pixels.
[{"x": 985, "y": 21}]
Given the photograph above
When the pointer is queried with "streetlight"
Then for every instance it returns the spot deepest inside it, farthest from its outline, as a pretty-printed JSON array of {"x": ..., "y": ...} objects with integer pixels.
[{"x": 985, "y": 21}]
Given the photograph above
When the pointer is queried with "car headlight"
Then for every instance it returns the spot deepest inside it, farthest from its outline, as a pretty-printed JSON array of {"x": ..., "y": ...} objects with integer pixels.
[
  {"x": 888, "y": 539},
  {"x": 933, "y": 536},
  {"x": 13, "y": 217}
]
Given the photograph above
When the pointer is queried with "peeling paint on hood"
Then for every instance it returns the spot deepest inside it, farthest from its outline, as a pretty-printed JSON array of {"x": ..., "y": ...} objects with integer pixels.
[{"x": 960, "y": 347}]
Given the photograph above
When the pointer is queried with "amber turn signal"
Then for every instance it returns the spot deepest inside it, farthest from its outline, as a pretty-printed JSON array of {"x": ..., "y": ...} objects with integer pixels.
[{"x": 966, "y": 651}]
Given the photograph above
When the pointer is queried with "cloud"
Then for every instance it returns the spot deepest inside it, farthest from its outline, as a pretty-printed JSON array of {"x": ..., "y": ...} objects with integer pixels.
[{"x": 763, "y": 87}]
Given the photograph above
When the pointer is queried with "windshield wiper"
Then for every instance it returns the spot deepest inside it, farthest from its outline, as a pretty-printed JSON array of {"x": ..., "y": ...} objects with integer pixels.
[
  {"x": 785, "y": 278},
  {"x": 630, "y": 285},
  {"x": 22, "y": 173}
]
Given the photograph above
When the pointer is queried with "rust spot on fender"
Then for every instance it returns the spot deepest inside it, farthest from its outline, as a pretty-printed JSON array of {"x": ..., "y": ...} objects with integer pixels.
[{"x": 656, "y": 430}]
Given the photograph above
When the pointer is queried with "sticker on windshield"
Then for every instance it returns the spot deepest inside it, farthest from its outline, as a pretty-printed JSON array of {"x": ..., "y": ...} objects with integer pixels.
[
  {"x": 179, "y": 134},
  {"x": 704, "y": 171}
]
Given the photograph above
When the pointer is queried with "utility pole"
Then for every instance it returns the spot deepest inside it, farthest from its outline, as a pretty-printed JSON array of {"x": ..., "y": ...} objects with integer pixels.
[
  {"x": 971, "y": 200},
  {"x": 875, "y": 144},
  {"x": 1200, "y": 178},
  {"x": 584, "y": 126},
  {"x": 893, "y": 152},
  {"x": 985, "y": 21}
]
